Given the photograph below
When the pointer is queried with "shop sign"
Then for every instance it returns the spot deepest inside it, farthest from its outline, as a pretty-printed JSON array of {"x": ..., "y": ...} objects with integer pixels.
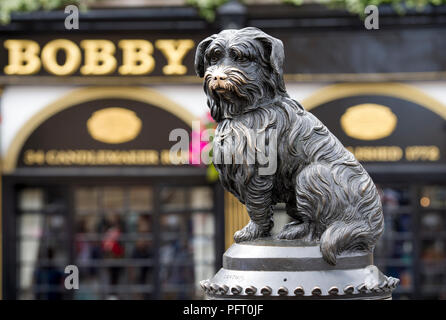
[
  {"x": 97, "y": 57},
  {"x": 385, "y": 129},
  {"x": 103, "y": 132}
]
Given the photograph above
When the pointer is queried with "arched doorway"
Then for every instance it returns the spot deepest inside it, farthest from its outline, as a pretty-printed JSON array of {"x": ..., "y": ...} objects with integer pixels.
[{"x": 88, "y": 182}]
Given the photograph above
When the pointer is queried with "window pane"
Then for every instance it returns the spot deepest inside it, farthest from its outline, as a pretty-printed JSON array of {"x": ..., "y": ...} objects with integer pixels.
[
  {"x": 114, "y": 244},
  {"x": 394, "y": 252},
  {"x": 173, "y": 198},
  {"x": 31, "y": 199},
  {"x": 29, "y": 251},
  {"x": 432, "y": 222},
  {"x": 88, "y": 223},
  {"x": 30, "y": 225},
  {"x": 113, "y": 198},
  {"x": 141, "y": 198},
  {"x": 203, "y": 224},
  {"x": 201, "y": 198},
  {"x": 86, "y": 199},
  {"x": 174, "y": 227},
  {"x": 433, "y": 197}
]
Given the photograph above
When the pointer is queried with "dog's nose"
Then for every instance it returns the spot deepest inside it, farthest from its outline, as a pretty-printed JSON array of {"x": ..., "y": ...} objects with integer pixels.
[{"x": 220, "y": 76}]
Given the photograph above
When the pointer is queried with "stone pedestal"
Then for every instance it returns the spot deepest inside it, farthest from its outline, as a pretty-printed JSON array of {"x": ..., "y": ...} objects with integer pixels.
[{"x": 274, "y": 269}]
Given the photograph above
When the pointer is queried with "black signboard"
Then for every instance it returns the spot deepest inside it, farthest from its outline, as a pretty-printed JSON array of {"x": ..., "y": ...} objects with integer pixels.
[
  {"x": 103, "y": 133},
  {"x": 385, "y": 129},
  {"x": 142, "y": 57}
]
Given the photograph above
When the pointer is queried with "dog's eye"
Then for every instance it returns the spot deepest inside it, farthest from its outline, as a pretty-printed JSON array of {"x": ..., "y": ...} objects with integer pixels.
[
  {"x": 241, "y": 58},
  {"x": 215, "y": 56}
]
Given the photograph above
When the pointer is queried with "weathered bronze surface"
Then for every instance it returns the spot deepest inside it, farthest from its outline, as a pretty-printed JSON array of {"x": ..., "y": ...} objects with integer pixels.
[
  {"x": 268, "y": 149},
  {"x": 328, "y": 194}
]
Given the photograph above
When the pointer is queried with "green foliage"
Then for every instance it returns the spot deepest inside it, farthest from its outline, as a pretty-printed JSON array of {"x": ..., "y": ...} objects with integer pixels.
[
  {"x": 358, "y": 6},
  {"x": 207, "y": 8},
  {"x": 211, "y": 173},
  {"x": 9, "y": 6}
]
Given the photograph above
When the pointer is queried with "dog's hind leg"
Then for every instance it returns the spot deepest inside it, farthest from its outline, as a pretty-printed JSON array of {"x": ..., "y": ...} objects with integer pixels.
[
  {"x": 337, "y": 221},
  {"x": 299, "y": 228},
  {"x": 314, "y": 202},
  {"x": 260, "y": 209}
]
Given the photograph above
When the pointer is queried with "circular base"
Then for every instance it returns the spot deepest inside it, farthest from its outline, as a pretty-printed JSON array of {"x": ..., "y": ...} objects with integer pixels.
[{"x": 280, "y": 269}]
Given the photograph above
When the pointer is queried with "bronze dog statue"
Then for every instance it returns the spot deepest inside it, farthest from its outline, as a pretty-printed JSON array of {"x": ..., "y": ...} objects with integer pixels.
[{"x": 328, "y": 194}]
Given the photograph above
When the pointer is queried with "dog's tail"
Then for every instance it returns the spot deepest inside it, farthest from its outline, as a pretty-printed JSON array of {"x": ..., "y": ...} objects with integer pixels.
[{"x": 347, "y": 236}]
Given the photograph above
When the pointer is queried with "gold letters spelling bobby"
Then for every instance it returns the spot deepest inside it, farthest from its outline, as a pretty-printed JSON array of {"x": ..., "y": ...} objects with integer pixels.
[{"x": 25, "y": 57}]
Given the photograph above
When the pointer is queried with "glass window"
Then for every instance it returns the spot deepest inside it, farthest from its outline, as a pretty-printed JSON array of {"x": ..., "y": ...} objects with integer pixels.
[
  {"x": 42, "y": 247},
  {"x": 173, "y": 198},
  {"x": 394, "y": 254},
  {"x": 433, "y": 197},
  {"x": 86, "y": 199},
  {"x": 201, "y": 198},
  {"x": 113, "y": 198},
  {"x": 115, "y": 244},
  {"x": 141, "y": 198},
  {"x": 31, "y": 199}
]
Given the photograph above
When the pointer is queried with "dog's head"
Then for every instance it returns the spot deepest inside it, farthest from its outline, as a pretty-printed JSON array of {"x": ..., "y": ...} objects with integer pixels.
[{"x": 241, "y": 68}]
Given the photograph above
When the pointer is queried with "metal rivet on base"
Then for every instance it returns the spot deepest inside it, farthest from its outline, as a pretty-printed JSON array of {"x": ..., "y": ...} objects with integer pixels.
[
  {"x": 236, "y": 290},
  {"x": 391, "y": 282},
  {"x": 349, "y": 289},
  {"x": 214, "y": 288},
  {"x": 251, "y": 290},
  {"x": 316, "y": 291},
  {"x": 282, "y": 291},
  {"x": 299, "y": 291},
  {"x": 333, "y": 291},
  {"x": 223, "y": 289},
  {"x": 266, "y": 291},
  {"x": 362, "y": 288},
  {"x": 377, "y": 289},
  {"x": 395, "y": 282}
]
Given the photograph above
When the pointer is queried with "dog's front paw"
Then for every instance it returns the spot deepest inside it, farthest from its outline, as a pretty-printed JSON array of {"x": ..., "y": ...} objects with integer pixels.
[{"x": 250, "y": 232}]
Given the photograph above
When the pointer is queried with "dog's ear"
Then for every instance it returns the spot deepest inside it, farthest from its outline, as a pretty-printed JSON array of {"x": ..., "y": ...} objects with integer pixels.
[
  {"x": 199, "y": 55},
  {"x": 273, "y": 47}
]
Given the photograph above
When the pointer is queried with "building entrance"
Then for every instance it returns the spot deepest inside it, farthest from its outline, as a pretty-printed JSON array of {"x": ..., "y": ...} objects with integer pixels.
[{"x": 129, "y": 241}]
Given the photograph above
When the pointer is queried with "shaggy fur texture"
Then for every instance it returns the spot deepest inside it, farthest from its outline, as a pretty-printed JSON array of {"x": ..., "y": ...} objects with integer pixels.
[{"x": 328, "y": 194}]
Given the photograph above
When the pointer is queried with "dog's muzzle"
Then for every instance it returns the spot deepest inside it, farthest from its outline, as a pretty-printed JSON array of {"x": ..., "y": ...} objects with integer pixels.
[
  {"x": 225, "y": 79},
  {"x": 218, "y": 81}
]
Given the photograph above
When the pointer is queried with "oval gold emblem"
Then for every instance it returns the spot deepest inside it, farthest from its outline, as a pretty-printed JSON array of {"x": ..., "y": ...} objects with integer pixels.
[
  {"x": 368, "y": 121},
  {"x": 114, "y": 125}
]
